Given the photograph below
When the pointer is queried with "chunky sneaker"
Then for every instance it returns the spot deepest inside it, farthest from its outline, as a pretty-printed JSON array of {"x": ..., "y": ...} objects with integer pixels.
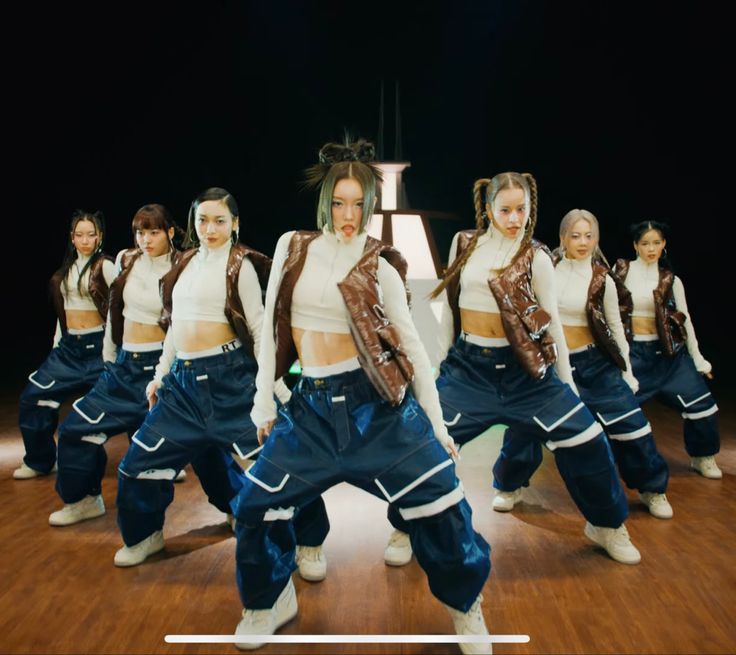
[
  {"x": 706, "y": 466},
  {"x": 398, "y": 551},
  {"x": 266, "y": 622},
  {"x": 615, "y": 541},
  {"x": 181, "y": 476},
  {"x": 133, "y": 555},
  {"x": 25, "y": 472},
  {"x": 504, "y": 501},
  {"x": 471, "y": 623},
  {"x": 658, "y": 504},
  {"x": 311, "y": 562},
  {"x": 89, "y": 507}
]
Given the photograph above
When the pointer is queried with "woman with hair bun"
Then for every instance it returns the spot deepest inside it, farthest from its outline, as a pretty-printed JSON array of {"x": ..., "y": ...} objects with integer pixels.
[
  {"x": 501, "y": 313},
  {"x": 365, "y": 411},
  {"x": 665, "y": 356},
  {"x": 79, "y": 294},
  {"x": 202, "y": 386}
]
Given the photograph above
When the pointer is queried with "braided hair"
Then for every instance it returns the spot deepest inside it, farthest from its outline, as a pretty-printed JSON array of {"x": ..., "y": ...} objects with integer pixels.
[
  {"x": 339, "y": 161},
  {"x": 492, "y": 187}
]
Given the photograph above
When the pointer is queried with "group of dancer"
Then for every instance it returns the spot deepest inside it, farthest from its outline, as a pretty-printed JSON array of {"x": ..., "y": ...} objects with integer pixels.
[{"x": 180, "y": 351}]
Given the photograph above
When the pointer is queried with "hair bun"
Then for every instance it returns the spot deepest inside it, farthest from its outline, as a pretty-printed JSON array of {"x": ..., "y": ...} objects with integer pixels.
[{"x": 361, "y": 150}]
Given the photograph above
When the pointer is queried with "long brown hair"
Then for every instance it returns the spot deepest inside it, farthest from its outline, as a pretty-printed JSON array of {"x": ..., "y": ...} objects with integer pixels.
[{"x": 508, "y": 180}]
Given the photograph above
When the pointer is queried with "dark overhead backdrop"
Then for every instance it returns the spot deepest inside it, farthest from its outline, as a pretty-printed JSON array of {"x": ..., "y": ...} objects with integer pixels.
[{"x": 620, "y": 108}]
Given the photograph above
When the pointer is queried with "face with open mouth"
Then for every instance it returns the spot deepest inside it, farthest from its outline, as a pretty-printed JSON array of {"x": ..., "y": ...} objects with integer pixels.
[{"x": 347, "y": 208}]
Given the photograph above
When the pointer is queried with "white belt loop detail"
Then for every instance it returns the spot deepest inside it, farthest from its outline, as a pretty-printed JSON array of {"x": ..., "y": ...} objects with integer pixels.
[
  {"x": 618, "y": 418},
  {"x": 411, "y": 485},
  {"x": 694, "y": 416},
  {"x": 147, "y": 448},
  {"x": 263, "y": 485},
  {"x": 590, "y": 433},
  {"x": 83, "y": 415},
  {"x": 454, "y": 421},
  {"x": 248, "y": 454},
  {"x": 148, "y": 368},
  {"x": 90, "y": 345},
  {"x": 202, "y": 377},
  {"x": 435, "y": 507},
  {"x": 338, "y": 399},
  {"x": 38, "y": 384},
  {"x": 692, "y": 402},
  {"x": 630, "y": 436},
  {"x": 560, "y": 420},
  {"x": 48, "y": 403},
  {"x": 500, "y": 365}
]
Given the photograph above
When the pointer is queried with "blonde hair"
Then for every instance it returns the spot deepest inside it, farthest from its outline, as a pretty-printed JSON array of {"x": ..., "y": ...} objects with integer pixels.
[{"x": 566, "y": 225}]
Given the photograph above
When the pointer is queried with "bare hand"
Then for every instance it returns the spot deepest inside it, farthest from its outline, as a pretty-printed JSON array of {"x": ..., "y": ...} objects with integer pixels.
[
  {"x": 264, "y": 431},
  {"x": 452, "y": 450},
  {"x": 152, "y": 394}
]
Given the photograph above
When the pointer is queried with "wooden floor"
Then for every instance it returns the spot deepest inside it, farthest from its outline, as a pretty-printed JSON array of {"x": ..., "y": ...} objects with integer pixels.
[{"x": 60, "y": 593}]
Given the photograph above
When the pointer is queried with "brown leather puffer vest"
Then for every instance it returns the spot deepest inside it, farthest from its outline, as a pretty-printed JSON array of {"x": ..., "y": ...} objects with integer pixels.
[
  {"x": 524, "y": 321},
  {"x": 233, "y": 305},
  {"x": 670, "y": 322},
  {"x": 379, "y": 349},
  {"x": 97, "y": 287}
]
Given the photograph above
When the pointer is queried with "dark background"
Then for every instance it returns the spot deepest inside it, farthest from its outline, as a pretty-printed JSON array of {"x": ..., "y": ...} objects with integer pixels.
[{"x": 619, "y": 108}]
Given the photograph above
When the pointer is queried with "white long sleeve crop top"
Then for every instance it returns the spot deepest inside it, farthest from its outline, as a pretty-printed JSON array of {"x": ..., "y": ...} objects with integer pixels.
[
  {"x": 70, "y": 292},
  {"x": 199, "y": 295},
  {"x": 641, "y": 281},
  {"x": 318, "y": 305},
  {"x": 141, "y": 296},
  {"x": 494, "y": 251},
  {"x": 572, "y": 281}
]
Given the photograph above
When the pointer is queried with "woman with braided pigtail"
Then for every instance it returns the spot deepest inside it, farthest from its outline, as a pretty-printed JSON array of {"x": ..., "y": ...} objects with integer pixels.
[
  {"x": 365, "y": 411},
  {"x": 500, "y": 311}
]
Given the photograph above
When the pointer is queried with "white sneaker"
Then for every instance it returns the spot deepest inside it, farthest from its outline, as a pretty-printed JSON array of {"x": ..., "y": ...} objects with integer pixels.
[
  {"x": 504, "y": 501},
  {"x": 181, "y": 476},
  {"x": 658, "y": 504},
  {"x": 615, "y": 541},
  {"x": 398, "y": 551},
  {"x": 311, "y": 562},
  {"x": 89, "y": 507},
  {"x": 133, "y": 555},
  {"x": 25, "y": 472},
  {"x": 266, "y": 622},
  {"x": 471, "y": 623},
  {"x": 707, "y": 467}
]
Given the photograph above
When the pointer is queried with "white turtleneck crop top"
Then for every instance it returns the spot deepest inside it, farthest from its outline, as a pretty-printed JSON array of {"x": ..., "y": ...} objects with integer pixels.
[
  {"x": 200, "y": 293},
  {"x": 318, "y": 305},
  {"x": 572, "y": 281},
  {"x": 75, "y": 300},
  {"x": 141, "y": 296},
  {"x": 494, "y": 251},
  {"x": 641, "y": 281}
]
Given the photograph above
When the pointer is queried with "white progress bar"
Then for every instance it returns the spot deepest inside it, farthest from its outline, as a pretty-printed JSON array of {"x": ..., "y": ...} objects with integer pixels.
[{"x": 346, "y": 639}]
